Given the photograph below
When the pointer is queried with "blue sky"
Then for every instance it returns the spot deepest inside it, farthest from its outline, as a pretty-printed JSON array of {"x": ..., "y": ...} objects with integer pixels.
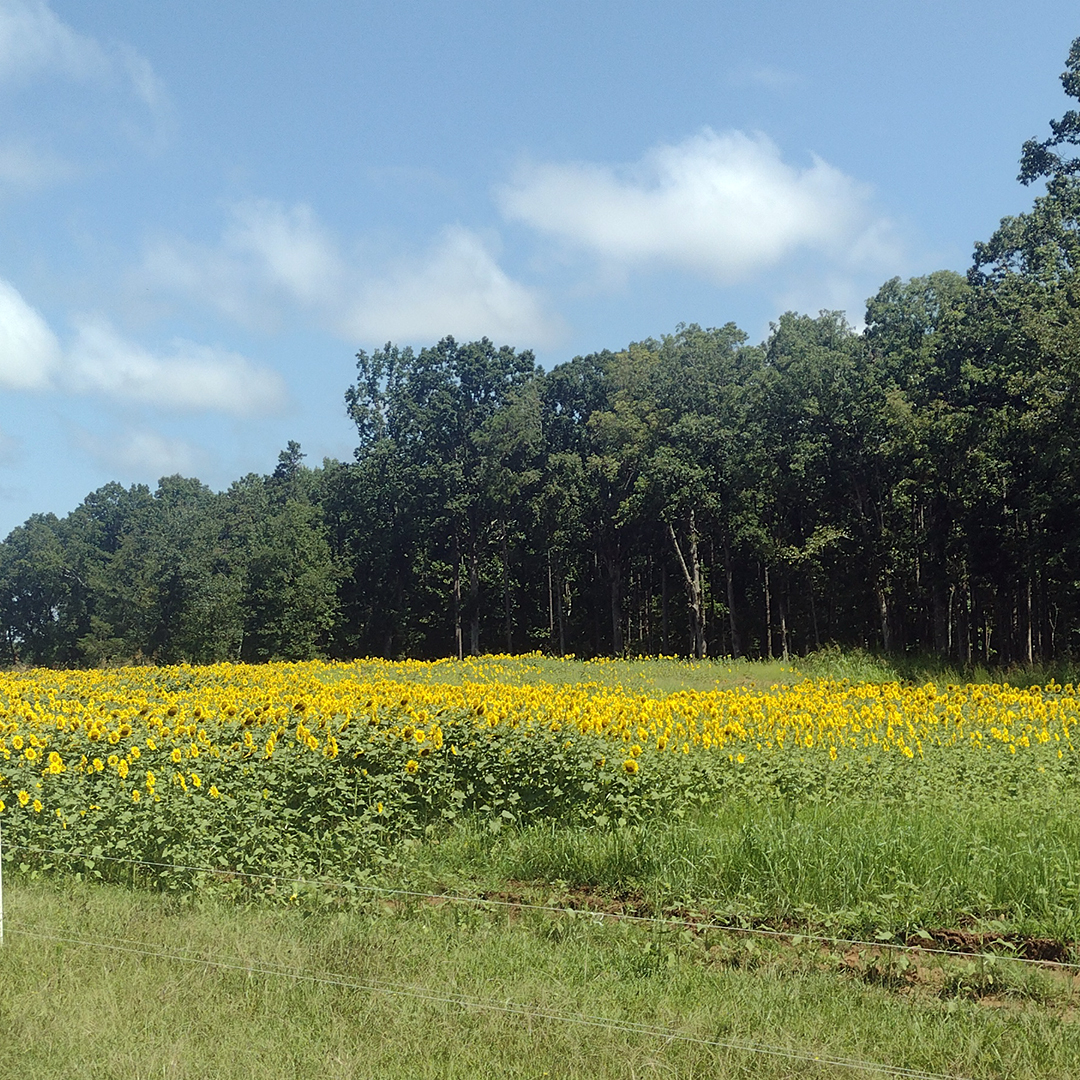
[{"x": 207, "y": 208}]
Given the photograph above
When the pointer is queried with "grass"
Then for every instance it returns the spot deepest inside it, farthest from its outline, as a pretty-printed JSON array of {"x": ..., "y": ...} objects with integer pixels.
[
  {"x": 664, "y": 675},
  {"x": 111, "y": 985},
  {"x": 861, "y": 870},
  {"x": 81, "y": 1010},
  {"x": 647, "y": 675},
  {"x": 861, "y": 867},
  {"x": 858, "y": 665},
  {"x": 857, "y": 868}
]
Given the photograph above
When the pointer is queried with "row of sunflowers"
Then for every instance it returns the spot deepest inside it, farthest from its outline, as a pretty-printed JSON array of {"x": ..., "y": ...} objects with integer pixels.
[{"x": 315, "y": 766}]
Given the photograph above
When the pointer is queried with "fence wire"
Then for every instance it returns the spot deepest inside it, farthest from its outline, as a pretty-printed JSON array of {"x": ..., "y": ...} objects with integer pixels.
[
  {"x": 465, "y": 1002},
  {"x": 524, "y": 905}
]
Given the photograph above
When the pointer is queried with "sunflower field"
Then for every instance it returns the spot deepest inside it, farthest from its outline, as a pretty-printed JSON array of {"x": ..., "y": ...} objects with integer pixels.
[{"x": 318, "y": 768}]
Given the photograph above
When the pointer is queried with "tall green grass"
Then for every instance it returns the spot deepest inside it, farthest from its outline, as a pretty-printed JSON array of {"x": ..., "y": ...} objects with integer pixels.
[
  {"x": 662, "y": 675},
  {"x": 860, "y": 665},
  {"x": 649, "y": 675},
  {"x": 860, "y": 867},
  {"x": 80, "y": 1010}
]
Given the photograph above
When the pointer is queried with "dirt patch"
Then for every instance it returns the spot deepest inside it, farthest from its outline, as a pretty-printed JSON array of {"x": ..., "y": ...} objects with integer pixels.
[
  {"x": 631, "y": 903},
  {"x": 579, "y": 898},
  {"x": 1046, "y": 950}
]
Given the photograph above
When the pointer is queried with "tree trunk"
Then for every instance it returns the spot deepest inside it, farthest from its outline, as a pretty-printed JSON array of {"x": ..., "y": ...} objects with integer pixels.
[
  {"x": 692, "y": 580},
  {"x": 551, "y": 606},
  {"x": 729, "y": 575},
  {"x": 939, "y": 606},
  {"x": 951, "y": 620},
  {"x": 650, "y": 610},
  {"x": 1030, "y": 635},
  {"x": 710, "y": 580},
  {"x": 458, "y": 643},
  {"x": 813, "y": 613},
  {"x": 1040, "y": 619},
  {"x": 663, "y": 610},
  {"x": 883, "y": 615},
  {"x": 474, "y": 599},
  {"x": 768, "y": 617},
  {"x": 1001, "y": 612},
  {"x": 507, "y": 611},
  {"x": 562, "y": 594},
  {"x": 783, "y": 626},
  {"x": 968, "y": 634},
  {"x": 616, "y": 610},
  {"x": 598, "y": 589}
]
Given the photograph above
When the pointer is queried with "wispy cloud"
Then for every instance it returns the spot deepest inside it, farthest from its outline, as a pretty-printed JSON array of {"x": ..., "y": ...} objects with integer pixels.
[
  {"x": 830, "y": 291},
  {"x": 270, "y": 255},
  {"x": 143, "y": 453},
  {"x": 186, "y": 376},
  {"x": 144, "y": 83},
  {"x": 29, "y": 351},
  {"x": 766, "y": 76},
  {"x": 21, "y": 166},
  {"x": 290, "y": 249},
  {"x": 722, "y": 206},
  {"x": 37, "y": 45},
  {"x": 10, "y": 449},
  {"x": 33, "y": 41},
  {"x": 456, "y": 288}
]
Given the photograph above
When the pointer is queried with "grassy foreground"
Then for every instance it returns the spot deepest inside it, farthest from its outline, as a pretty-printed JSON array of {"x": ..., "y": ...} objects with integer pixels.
[
  {"x": 102, "y": 980},
  {"x": 128, "y": 1004}
]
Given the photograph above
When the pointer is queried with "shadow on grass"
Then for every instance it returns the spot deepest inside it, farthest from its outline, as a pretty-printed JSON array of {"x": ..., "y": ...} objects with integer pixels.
[{"x": 861, "y": 665}]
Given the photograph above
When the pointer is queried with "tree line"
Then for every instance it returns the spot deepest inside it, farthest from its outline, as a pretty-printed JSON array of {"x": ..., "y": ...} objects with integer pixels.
[{"x": 912, "y": 486}]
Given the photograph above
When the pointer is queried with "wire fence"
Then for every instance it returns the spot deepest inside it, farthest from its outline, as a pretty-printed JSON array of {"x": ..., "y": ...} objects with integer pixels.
[
  {"x": 466, "y": 1002},
  {"x": 682, "y": 920}
]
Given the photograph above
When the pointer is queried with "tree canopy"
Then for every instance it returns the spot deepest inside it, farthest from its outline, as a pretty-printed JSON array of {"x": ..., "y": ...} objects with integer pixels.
[{"x": 910, "y": 485}]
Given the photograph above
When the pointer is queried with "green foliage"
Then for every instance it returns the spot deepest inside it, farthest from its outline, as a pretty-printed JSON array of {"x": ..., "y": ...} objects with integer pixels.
[
  {"x": 861, "y": 845},
  {"x": 419, "y": 965},
  {"x": 911, "y": 489}
]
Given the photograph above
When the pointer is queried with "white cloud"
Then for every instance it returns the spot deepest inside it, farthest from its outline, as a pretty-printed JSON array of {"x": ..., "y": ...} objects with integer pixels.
[
  {"x": 458, "y": 289},
  {"x": 828, "y": 291},
  {"x": 187, "y": 377},
  {"x": 145, "y": 454},
  {"x": 34, "y": 40},
  {"x": 190, "y": 377},
  {"x": 29, "y": 351},
  {"x": 290, "y": 248},
  {"x": 10, "y": 449},
  {"x": 145, "y": 84},
  {"x": 767, "y": 76},
  {"x": 722, "y": 206},
  {"x": 36, "y": 43},
  {"x": 208, "y": 275},
  {"x": 22, "y": 166},
  {"x": 270, "y": 256}
]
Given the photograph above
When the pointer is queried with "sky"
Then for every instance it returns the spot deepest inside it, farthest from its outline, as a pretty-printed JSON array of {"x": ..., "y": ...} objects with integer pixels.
[{"x": 207, "y": 208}]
